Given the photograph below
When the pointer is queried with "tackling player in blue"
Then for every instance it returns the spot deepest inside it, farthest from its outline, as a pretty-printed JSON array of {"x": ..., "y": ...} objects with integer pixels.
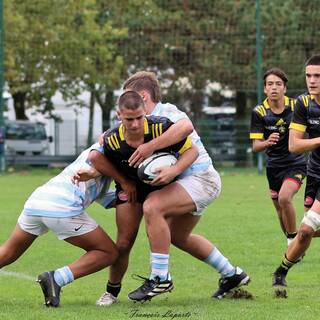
[{"x": 59, "y": 205}]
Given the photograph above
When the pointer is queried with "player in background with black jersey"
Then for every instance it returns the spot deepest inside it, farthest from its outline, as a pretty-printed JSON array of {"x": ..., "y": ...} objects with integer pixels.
[
  {"x": 270, "y": 133},
  {"x": 305, "y": 119}
]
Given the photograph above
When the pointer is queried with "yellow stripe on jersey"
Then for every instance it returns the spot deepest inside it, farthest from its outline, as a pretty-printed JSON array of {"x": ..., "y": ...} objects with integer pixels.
[
  {"x": 121, "y": 132},
  {"x": 266, "y": 104},
  {"x": 156, "y": 132},
  {"x": 256, "y": 136},
  {"x": 110, "y": 144},
  {"x": 286, "y": 100},
  {"x": 305, "y": 100},
  {"x": 116, "y": 138},
  {"x": 298, "y": 127},
  {"x": 115, "y": 141},
  {"x": 261, "y": 111},
  {"x": 187, "y": 145},
  {"x": 292, "y": 103},
  {"x": 146, "y": 126},
  {"x": 153, "y": 131},
  {"x": 160, "y": 128}
]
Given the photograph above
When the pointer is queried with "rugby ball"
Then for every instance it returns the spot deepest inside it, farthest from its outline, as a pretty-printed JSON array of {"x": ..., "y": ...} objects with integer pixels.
[{"x": 146, "y": 169}]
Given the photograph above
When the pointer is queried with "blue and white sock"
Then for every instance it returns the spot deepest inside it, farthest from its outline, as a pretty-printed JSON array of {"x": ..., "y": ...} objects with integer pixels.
[
  {"x": 159, "y": 266},
  {"x": 220, "y": 263},
  {"x": 63, "y": 276}
]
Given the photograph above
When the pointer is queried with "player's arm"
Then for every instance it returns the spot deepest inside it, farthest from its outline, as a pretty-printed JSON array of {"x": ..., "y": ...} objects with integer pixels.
[
  {"x": 85, "y": 175},
  {"x": 188, "y": 154},
  {"x": 177, "y": 132},
  {"x": 298, "y": 144},
  {"x": 105, "y": 166},
  {"x": 261, "y": 144}
]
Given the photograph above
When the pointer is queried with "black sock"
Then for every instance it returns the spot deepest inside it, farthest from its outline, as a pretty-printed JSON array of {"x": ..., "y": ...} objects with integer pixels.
[
  {"x": 291, "y": 235},
  {"x": 114, "y": 288}
]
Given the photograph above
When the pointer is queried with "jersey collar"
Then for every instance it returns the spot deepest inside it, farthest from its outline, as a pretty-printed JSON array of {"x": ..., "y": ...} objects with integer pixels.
[{"x": 267, "y": 106}]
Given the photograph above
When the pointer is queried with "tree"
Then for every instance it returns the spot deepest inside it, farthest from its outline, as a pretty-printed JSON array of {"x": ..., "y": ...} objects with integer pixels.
[
  {"x": 59, "y": 46},
  {"x": 28, "y": 52},
  {"x": 91, "y": 61}
]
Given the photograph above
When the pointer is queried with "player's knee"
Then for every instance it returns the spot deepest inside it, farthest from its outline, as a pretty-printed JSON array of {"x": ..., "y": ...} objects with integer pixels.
[
  {"x": 150, "y": 208},
  {"x": 304, "y": 234},
  {"x": 124, "y": 245},
  {"x": 284, "y": 200},
  {"x": 109, "y": 255}
]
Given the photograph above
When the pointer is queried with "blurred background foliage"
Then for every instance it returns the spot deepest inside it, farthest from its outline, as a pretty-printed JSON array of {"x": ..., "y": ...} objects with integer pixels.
[{"x": 204, "y": 52}]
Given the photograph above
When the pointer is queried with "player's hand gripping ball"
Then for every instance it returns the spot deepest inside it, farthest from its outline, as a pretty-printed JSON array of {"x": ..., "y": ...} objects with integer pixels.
[{"x": 146, "y": 169}]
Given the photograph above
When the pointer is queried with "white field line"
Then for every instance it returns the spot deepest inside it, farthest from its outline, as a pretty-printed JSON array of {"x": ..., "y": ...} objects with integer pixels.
[{"x": 16, "y": 275}]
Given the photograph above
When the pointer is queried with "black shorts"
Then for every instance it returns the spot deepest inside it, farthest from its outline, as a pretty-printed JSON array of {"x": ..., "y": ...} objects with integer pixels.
[
  {"x": 312, "y": 191},
  {"x": 143, "y": 190},
  {"x": 276, "y": 177}
]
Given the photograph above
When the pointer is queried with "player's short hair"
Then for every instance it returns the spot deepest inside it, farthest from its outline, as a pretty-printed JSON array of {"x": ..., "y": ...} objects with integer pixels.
[
  {"x": 130, "y": 100},
  {"x": 144, "y": 80},
  {"x": 277, "y": 72},
  {"x": 313, "y": 61}
]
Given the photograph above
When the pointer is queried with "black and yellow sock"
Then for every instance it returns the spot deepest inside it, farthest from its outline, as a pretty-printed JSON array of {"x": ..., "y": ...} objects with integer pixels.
[
  {"x": 286, "y": 264},
  {"x": 114, "y": 288}
]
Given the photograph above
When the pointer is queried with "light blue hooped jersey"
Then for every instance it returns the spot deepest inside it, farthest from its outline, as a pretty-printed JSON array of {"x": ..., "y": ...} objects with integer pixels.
[
  {"x": 170, "y": 111},
  {"x": 59, "y": 197}
]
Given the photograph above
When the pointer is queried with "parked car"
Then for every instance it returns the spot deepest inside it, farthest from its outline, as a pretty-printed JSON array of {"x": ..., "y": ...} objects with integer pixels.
[{"x": 26, "y": 138}]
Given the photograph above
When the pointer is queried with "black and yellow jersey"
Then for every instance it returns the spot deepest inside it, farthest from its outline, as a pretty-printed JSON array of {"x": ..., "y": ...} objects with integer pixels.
[
  {"x": 264, "y": 122},
  {"x": 306, "y": 118},
  {"x": 118, "y": 151}
]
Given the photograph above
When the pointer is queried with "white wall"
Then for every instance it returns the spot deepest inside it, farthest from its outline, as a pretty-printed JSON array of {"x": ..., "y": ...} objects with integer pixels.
[{"x": 67, "y": 142}]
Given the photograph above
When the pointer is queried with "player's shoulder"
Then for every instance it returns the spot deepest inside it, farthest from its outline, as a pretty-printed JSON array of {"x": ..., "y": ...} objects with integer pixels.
[
  {"x": 112, "y": 130},
  {"x": 113, "y": 136},
  {"x": 290, "y": 103},
  {"x": 304, "y": 100},
  {"x": 169, "y": 107},
  {"x": 152, "y": 119},
  {"x": 260, "y": 109}
]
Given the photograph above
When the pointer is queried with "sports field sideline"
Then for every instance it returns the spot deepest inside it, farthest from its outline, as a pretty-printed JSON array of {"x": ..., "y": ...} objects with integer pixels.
[{"x": 242, "y": 222}]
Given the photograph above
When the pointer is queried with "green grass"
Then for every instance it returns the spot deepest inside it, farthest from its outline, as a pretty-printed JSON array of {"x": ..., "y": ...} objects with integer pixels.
[{"x": 242, "y": 223}]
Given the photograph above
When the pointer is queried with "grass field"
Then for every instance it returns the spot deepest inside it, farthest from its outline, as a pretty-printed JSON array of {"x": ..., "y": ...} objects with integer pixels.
[{"x": 242, "y": 223}]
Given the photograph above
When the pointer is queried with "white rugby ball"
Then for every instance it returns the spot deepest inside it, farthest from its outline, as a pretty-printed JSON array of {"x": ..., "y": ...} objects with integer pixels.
[{"x": 146, "y": 169}]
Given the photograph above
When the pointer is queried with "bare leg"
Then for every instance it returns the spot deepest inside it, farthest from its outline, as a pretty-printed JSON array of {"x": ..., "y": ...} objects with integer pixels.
[
  {"x": 101, "y": 252},
  {"x": 18, "y": 242},
  {"x": 303, "y": 239},
  {"x": 170, "y": 201},
  {"x": 128, "y": 217},
  {"x": 300, "y": 244},
  {"x": 317, "y": 233},
  {"x": 181, "y": 236},
  {"x": 287, "y": 191},
  {"x": 279, "y": 212}
]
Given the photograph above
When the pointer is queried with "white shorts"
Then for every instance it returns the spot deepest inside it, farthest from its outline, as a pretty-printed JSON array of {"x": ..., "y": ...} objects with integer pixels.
[
  {"x": 203, "y": 187},
  {"x": 62, "y": 227}
]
